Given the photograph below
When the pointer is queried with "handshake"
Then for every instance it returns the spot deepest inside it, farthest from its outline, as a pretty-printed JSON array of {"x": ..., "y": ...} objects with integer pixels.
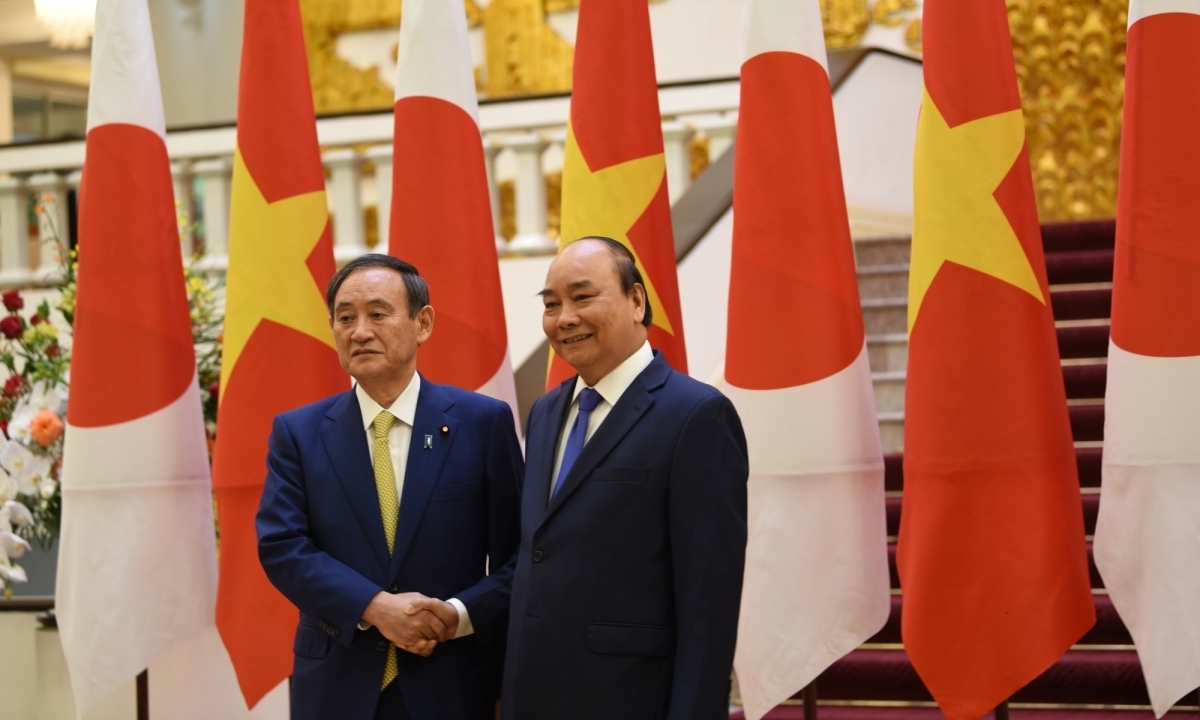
[{"x": 412, "y": 622}]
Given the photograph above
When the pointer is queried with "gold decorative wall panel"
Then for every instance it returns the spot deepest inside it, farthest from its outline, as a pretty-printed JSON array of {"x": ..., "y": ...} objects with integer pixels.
[{"x": 1071, "y": 68}]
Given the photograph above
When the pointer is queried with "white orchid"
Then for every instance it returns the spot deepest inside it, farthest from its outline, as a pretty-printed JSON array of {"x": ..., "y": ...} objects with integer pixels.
[
  {"x": 30, "y": 472},
  {"x": 42, "y": 396},
  {"x": 11, "y": 544},
  {"x": 8, "y": 487},
  {"x": 12, "y": 573}
]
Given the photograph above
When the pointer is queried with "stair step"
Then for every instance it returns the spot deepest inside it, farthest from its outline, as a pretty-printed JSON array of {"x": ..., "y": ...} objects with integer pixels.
[
  {"x": 1081, "y": 304},
  {"x": 1075, "y": 235},
  {"x": 889, "y": 390},
  {"x": 1090, "y": 502},
  {"x": 1087, "y": 422},
  {"x": 909, "y": 712},
  {"x": 1085, "y": 381},
  {"x": 1107, "y": 677},
  {"x": 1108, "y": 630},
  {"x": 885, "y": 315},
  {"x": 883, "y": 281},
  {"x": 1083, "y": 342},
  {"x": 887, "y": 352},
  {"x": 1080, "y": 266},
  {"x": 882, "y": 251},
  {"x": 1087, "y": 462}
]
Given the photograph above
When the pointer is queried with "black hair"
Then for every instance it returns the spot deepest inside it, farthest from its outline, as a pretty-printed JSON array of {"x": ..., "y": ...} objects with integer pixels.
[
  {"x": 415, "y": 285},
  {"x": 627, "y": 270}
]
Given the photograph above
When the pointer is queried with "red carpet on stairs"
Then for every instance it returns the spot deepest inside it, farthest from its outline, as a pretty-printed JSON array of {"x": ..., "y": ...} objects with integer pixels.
[{"x": 1102, "y": 669}]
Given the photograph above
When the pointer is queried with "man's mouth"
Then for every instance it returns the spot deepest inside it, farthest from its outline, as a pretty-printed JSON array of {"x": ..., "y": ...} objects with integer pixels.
[
  {"x": 363, "y": 351},
  {"x": 576, "y": 338}
]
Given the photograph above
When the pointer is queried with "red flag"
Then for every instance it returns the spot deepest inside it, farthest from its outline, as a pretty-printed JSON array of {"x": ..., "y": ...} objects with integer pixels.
[
  {"x": 816, "y": 583},
  {"x": 441, "y": 212},
  {"x": 136, "y": 568},
  {"x": 991, "y": 550},
  {"x": 278, "y": 348},
  {"x": 1146, "y": 534},
  {"x": 614, "y": 170}
]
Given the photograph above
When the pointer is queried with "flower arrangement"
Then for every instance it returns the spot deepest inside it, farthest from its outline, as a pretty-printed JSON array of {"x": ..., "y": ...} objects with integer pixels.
[{"x": 33, "y": 402}]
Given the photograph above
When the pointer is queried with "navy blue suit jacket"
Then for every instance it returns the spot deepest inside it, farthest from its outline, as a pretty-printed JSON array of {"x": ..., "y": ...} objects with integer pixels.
[
  {"x": 628, "y": 583},
  {"x": 321, "y": 542}
]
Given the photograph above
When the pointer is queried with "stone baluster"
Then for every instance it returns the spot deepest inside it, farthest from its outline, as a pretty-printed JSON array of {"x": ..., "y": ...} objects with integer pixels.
[
  {"x": 14, "y": 233},
  {"x": 215, "y": 179},
  {"x": 53, "y": 223},
  {"x": 345, "y": 170},
  {"x": 492, "y": 148},
  {"x": 677, "y": 146},
  {"x": 720, "y": 132},
  {"x": 381, "y": 157},
  {"x": 531, "y": 238},
  {"x": 181, "y": 183}
]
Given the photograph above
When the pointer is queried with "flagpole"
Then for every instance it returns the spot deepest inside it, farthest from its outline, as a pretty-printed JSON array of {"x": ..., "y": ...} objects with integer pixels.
[
  {"x": 810, "y": 701},
  {"x": 143, "y": 695}
]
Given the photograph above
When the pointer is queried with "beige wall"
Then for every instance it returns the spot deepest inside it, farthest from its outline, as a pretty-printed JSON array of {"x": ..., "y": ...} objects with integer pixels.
[{"x": 199, "y": 45}]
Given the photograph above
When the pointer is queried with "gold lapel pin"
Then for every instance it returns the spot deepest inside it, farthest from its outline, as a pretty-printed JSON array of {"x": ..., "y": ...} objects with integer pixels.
[{"x": 445, "y": 429}]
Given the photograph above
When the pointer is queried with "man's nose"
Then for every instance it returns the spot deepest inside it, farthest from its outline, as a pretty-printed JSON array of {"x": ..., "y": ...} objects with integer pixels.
[
  {"x": 567, "y": 317},
  {"x": 361, "y": 332}
]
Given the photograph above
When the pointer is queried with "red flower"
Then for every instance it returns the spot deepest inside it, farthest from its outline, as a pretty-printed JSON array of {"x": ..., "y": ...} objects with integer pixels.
[
  {"x": 13, "y": 300},
  {"x": 10, "y": 327},
  {"x": 4, "y": 427},
  {"x": 52, "y": 350},
  {"x": 214, "y": 388},
  {"x": 13, "y": 386},
  {"x": 35, "y": 320}
]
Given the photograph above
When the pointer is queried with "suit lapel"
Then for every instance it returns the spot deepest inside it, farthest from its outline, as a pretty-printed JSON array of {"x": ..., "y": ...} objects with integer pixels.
[
  {"x": 346, "y": 443},
  {"x": 424, "y": 464},
  {"x": 540, "y": 469},
  {"x": 634, "y": 403}
]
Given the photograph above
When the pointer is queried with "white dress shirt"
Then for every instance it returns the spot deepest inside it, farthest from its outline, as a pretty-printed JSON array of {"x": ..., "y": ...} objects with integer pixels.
[
  {"x": 611, "y": 387},
  {"x": 398, "y": 439}
]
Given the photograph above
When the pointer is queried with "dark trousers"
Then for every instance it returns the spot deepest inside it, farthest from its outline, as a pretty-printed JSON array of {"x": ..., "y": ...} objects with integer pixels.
[{"x": 391, "y": 704}]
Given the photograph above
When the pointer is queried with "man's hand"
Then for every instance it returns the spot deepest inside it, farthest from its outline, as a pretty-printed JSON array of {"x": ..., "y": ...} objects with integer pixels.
[
  {"x": 408, "y": 628},
  {"x": 444, "y": 611}
]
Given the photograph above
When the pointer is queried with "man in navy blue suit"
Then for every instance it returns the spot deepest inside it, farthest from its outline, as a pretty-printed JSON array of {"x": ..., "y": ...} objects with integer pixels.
[
  {"x": 395, "y": 493},
  {"x": 633, "y": 519}
]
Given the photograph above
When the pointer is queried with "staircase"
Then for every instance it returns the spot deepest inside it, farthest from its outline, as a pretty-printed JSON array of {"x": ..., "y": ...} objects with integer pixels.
[{"x": 1099, "y": 678}]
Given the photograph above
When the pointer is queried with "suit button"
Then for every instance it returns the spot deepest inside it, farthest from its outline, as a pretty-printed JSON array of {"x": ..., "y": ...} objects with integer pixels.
[
  {"x": 537, "y": 556},
  {"x": 395, "y": 589},
  {"x": 381, "y": 646}
]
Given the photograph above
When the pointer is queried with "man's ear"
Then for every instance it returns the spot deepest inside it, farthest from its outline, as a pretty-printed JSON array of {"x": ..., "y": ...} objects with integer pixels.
[
  {"x": 424, "y": 324},
  {"x": 640, "y": 299}
]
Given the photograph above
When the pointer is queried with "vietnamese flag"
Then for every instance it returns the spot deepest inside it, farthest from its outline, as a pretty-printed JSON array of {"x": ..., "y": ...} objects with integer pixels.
[
  {"x": 992, "y": 558},
  {"x": 278, "y": 348},
  {"x": 1148, "y": 531},
  {"x": 441, "y": 210},
  {"x": 816, "y": 583},
  {"x": 137, "y": 565},
  {"x": 614, "y": 170}
]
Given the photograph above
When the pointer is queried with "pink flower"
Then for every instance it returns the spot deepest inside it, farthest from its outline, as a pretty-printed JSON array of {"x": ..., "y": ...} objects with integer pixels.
[{"x": 45, "y": 428}]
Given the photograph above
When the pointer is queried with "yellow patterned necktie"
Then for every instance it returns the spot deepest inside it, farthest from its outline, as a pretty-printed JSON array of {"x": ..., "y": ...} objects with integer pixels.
[{"x": 389, "y": 508}]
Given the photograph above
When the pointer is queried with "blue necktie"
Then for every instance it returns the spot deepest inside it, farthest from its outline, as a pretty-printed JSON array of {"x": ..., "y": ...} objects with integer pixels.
[{"x": 588, "y": 400}]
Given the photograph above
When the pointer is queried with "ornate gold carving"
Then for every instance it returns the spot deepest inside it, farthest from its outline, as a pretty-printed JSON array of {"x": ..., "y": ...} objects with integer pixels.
[
  {"x": 524, "y": 54},
  {"x": 891, "y": 13},
  {"x": 1070, "y": 59},
  {"x": 845, "y": 21},
  {"x": 698, "y": 154}
]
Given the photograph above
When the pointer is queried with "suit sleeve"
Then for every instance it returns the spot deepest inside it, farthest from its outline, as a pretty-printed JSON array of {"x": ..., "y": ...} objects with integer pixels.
[
  {"x": 314, "y": 581},
  {"x": 487, "y": 600},
  {"x": 707, "y": 515}
]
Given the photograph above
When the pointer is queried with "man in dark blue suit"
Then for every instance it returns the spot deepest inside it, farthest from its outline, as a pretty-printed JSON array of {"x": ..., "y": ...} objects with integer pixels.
[
  {"x": 396, "y": 492},
  {"x": 633, "y": 519}
]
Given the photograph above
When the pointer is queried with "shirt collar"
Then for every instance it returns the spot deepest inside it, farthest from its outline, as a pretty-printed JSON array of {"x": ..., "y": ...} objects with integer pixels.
[
  {"x": 405, "y": 407},
  {"x": 613, "y": 385}
]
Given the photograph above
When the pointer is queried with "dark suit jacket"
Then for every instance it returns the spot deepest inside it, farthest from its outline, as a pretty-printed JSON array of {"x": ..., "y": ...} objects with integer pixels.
[
  {"x": 628, "y": 584},
  {"x": 321, "y": 542}
]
